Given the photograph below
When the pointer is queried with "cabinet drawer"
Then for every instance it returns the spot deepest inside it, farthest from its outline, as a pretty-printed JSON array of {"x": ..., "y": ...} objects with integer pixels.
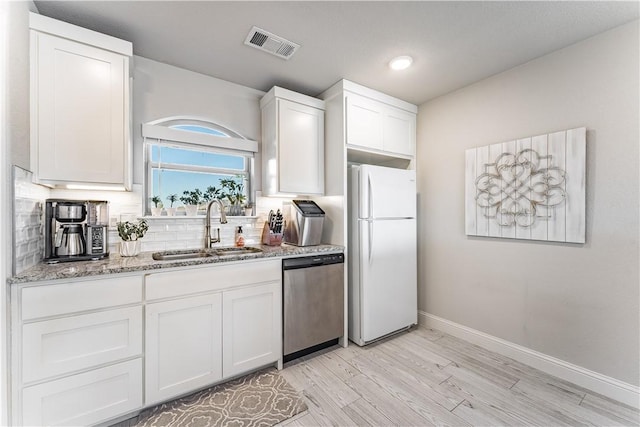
[
  {"x": 185, "y": 282},
  {"x": 84, "y": 399},
  {"x": 69, "y": 344},
  {"x": 67, "y": 298}
]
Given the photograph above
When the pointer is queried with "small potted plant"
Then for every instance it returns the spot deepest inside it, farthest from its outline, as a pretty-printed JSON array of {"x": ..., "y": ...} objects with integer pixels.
[
  {"x": 171, "y": 211},
  {"x": 156, "y": 210},
  {"x": 211, "y": 193},
  {"x": 191, "y": 200},
  {"x": 130, "y": 233},
  {"x": 234, "y": 192}
]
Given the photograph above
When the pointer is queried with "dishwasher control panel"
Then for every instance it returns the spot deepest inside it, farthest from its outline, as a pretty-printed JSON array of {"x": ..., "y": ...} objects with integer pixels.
[{"x": 311, "y": 261}]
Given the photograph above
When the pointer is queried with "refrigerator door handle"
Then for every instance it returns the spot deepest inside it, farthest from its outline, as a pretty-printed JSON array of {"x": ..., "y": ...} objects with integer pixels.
[
  {"x": 370, "y": 197},
  {"x": 370, "y": 225}
]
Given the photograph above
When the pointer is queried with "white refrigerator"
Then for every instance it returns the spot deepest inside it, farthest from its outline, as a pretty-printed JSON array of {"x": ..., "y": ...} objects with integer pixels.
[{"x": 383, "y": 294}]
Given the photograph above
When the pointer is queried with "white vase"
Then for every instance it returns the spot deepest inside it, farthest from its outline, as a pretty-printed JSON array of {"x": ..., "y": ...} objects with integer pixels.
[
  {"x": 129, "y": 247},
  {"x": 170, "y": 211},
  {"x": 192, "y": 210},
  {"x": 156, "y": 211}
]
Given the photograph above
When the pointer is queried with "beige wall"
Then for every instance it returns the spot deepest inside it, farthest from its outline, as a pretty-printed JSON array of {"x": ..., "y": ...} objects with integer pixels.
[
  {"x": 579, "y": 303},
  {"x": 161, "y": 90}
]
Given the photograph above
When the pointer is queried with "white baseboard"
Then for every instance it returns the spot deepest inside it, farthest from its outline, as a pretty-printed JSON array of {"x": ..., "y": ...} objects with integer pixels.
[{"x": 602, "y": 384}]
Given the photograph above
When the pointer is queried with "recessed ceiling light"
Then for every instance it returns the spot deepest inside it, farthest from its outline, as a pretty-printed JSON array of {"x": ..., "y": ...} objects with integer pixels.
[{"x": 401, "y": 62}]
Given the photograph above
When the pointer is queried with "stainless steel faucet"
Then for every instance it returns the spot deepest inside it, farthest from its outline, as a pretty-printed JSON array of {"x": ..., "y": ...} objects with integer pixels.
[{"x": 207, "y": 227}]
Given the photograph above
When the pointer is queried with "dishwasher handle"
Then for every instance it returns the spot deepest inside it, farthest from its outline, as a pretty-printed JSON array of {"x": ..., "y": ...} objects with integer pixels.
[{"x": 312, "y": 261}]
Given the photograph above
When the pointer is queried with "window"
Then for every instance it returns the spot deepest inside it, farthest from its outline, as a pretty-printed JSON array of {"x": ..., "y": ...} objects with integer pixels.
[
  {"x": 176, "y": 169},
  {"x": 200, "y": 129},
  {"x": 184, "y": 156}
]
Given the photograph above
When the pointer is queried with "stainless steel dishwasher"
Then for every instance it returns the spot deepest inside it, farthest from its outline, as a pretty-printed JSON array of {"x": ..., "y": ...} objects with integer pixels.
[{"x": 313, "y": 306}]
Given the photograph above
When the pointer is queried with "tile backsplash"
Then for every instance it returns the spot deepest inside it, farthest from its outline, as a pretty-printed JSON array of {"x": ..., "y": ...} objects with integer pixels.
[
  {"x": 165, "y": 233},
  {"x": 28, "y": 242},
  {"x": 171, "y": 233},
  {"x": 28, "y": 229}
]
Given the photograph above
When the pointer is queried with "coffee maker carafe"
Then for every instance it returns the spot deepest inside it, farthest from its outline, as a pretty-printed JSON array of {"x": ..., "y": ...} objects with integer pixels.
[
  {"x": 69, "y": 237},
  {"x": 75, "y": 230},
  {"x": 70, "y": 240}
]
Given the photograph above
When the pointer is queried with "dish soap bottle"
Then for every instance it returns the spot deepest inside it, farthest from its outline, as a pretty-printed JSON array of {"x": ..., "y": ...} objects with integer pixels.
[{"x": 239, "y": 237}]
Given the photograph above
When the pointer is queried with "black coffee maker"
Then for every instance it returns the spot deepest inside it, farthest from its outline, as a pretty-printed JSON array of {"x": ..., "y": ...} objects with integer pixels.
[{"x": 75, "y": 230}]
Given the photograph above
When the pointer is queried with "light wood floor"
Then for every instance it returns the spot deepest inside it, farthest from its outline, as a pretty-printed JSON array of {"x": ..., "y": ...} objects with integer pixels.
[{"x": 424, "y": 377}]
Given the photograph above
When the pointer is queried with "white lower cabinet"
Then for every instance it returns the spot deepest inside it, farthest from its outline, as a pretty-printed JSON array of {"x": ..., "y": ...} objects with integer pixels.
[
  {"x": 84, "y": 399},
  {"x": 78, "y": 346},
  {"x": 183, "y": 346},
  {"x": 210, "y": 324},
  {"x": 76, "y": 349},
  {"x": 252, "y": 327}
]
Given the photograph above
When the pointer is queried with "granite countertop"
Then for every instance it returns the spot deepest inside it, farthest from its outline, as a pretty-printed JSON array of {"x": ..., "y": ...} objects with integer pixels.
[{"x": 144, "y": 262}]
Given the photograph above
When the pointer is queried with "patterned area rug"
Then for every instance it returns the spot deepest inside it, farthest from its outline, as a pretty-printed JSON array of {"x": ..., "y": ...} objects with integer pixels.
[{"x": 260, "y": 399}]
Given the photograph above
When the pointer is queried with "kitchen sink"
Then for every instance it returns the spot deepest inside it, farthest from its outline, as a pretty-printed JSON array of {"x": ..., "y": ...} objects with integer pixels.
[
  {"x": 236, "y": 251},
  {"x": 181, "y": 255},
  {"x": 203, "y": 253}
]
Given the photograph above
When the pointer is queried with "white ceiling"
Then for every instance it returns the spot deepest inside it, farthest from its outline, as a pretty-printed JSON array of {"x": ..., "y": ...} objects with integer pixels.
[{"x": 453, "y": 43}]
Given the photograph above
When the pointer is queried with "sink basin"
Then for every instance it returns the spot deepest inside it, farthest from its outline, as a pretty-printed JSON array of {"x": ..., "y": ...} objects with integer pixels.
[
  {"x": 176, "y": 256},
  {"x": 236, "y": 251},
  {"x": 203, "y": 253}
]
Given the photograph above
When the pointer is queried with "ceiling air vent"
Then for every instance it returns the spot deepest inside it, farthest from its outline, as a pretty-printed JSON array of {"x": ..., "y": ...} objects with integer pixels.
[{"x": 268, "y": 42}]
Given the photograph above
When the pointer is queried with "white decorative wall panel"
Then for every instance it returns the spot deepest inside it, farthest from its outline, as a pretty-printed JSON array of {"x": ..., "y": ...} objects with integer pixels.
[{"x": 530, "y": 188}]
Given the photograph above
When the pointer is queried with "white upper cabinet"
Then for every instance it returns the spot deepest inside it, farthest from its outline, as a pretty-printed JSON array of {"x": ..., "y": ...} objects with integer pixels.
[
  {"x": 364, "y": 122},
  {"x": 292, "y": 143},
  {"x": 399, "y": 131},
  {"x": 80, "y": 131},
  {"x": 374, "y": 122}
]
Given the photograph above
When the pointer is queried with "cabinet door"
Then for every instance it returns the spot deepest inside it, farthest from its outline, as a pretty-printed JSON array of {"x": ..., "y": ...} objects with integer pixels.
[
  {"x": 399, "y": 131},
  {"x": 252, "y": 319},
  {"x": 364, "y": 122},
  {"x": 300, "y": 148},
  {"x": 183, "y": 346},
  {"x": 78, "y": 122},
  {"x": 84, "y": 399}
]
